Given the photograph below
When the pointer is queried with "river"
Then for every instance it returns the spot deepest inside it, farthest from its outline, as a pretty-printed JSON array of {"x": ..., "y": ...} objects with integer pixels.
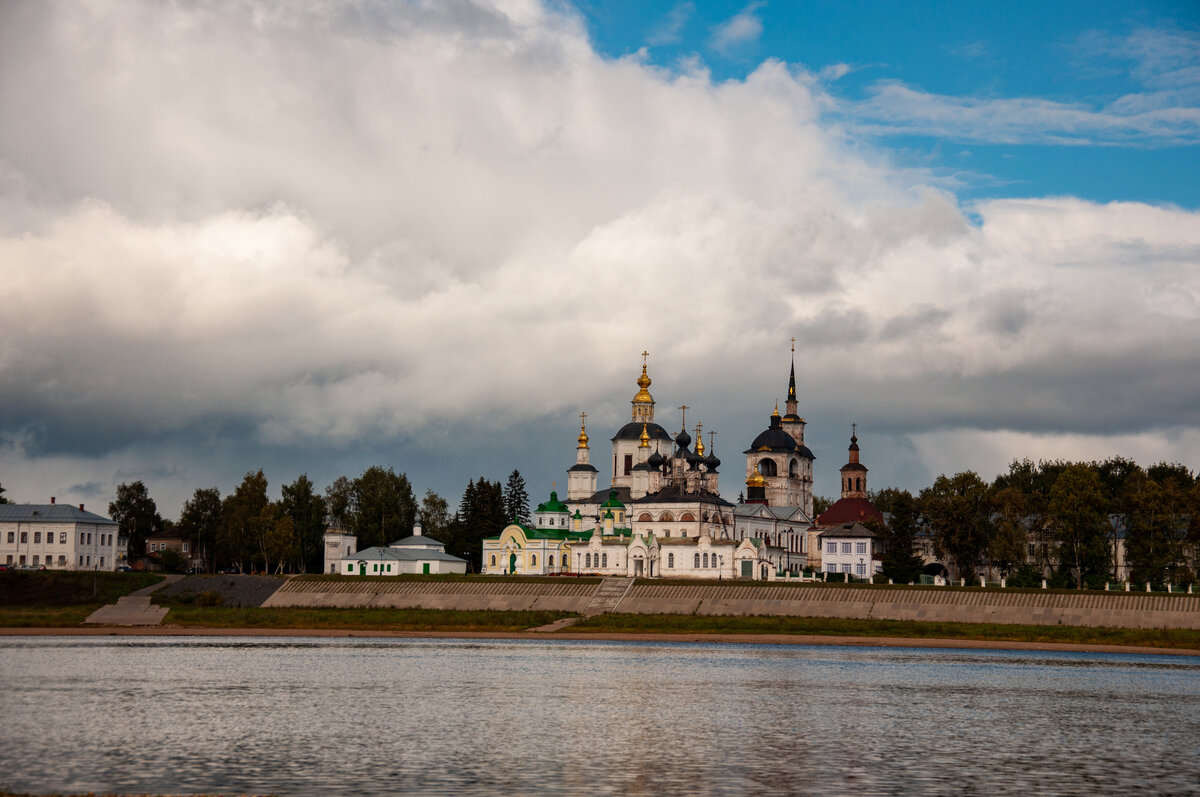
[{"x": 304, "y": 716}]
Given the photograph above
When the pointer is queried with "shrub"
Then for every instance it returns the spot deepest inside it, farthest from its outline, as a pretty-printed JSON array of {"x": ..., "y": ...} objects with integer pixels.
[{"x": 209, "y": 598}]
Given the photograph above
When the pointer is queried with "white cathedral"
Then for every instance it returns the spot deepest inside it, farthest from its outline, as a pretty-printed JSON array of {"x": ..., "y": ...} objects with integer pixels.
[{"x": 663, "y": 514}]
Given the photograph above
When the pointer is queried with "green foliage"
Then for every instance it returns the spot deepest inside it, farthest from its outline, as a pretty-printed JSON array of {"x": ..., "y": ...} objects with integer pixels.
[
  {"x": 1078, "y": 515},
  {"x": 1156, "y": 515},
  {"x": 435, "y": 516},
  {"x": 3, "y": 500},
  {"x": 1026, "y": 575},
  {"x": 170, "y": 560},
  {"x": 383, "y": 507},
  {"x": 339, "y": 498},
  {"x": 136, "y": 514},
  {"x": 242, "y": 519},
  {"x": 1007, "y": 547},
  {"x": 957, "y": 511},
  {"x": 516, "y": 499},
  {"x": 200, "y": 522},
  {"x": 386, "y": 620},
  {"x": 480, "y": 514},
  {"x": 820, "y": 504},
  {"x": 900, "y": 560},
  {"x": 306, "y": 510}
]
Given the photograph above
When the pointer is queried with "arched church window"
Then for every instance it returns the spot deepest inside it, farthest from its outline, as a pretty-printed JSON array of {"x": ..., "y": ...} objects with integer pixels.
[
  {"x": 858, "y": 484},
  {"x": 706, "y": 560},
  {"x": 550, "y": 561},
  {"x": 533, "y": 560},
  {"x": 588, "y": 560},
  {"x": 794, "y": 468},
  {"x": 696, "y": 561},
  {"x": 604, "y": 560},
  {"x": 767, "y": 467},
  {"x": 493, "y": 560},
  {"x": 671, "y": 560}
]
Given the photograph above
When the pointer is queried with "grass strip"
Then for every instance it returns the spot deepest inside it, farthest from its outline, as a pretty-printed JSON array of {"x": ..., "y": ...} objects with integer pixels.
[
  {"x": 320, "y": 577},
  {"x": 58, "y": 588},
  {"x": 823, "y": 626},
  {"x": 359, "y": 619},
  {"x": 48, "y": 617}
]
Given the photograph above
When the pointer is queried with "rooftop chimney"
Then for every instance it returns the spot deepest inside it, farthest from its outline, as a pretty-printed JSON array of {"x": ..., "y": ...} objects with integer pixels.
[
  {"x": 81, "y": 507},
  {"x": 52, "y": 499}
]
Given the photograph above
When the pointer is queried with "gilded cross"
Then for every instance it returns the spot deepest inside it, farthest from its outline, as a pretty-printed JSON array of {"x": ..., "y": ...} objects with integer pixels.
[
  {"x": 645, "y": 354},
  {"x": 793, "y": 344},
  {"x": 684, "y": 408},
  {"x": 583, "y": 419}
]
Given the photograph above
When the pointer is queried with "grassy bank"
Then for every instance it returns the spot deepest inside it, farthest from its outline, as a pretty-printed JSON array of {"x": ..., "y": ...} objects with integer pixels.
[
  {"x": 335, "y": 577},
  {"x": 359, "y": 619},
  {"x": 59, "y": 588},
  {"x": 820, "y": 626}
]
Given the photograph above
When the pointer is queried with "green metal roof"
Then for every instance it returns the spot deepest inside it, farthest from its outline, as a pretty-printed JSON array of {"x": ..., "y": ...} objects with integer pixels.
[
  {"x": 612, "y": 501},
  {"x": 553, "y": 505}
]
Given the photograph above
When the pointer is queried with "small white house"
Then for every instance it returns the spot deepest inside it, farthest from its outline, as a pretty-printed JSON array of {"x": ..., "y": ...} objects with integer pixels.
[
  {"x": 850, "y": 548},
  {"x": 415, "y": 554}
]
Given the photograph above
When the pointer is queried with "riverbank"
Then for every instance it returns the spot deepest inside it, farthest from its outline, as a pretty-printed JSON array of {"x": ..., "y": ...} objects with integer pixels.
[{"x": 730, "y": 638}]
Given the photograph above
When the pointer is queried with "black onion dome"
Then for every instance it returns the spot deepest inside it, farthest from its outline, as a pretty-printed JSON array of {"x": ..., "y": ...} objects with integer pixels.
[
  {"x": 633, "y": 431},
  {"x": 683, "y": 439},
  {"x": 712, "y": 463},
  {"x": 655, "y": 460},
  {"x": 773, "y": 439}
]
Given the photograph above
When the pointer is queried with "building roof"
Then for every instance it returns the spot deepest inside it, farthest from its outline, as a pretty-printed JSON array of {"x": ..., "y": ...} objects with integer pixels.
[
  {"x": 848, "y": 530},
  {"x": 849, "y": 510},
  {"x": 676, "y": 494},
  {"x": 377, "y": 554},
  {"x": 633, "y": 431},
  {"x": 418, "y": 541},
  {"x": 50, "y": 513},
  {"x": 553, "y": 505}
]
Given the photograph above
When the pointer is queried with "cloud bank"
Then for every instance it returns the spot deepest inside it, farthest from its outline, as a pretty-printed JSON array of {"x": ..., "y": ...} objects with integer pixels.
[{"x": 319, "y": 230}]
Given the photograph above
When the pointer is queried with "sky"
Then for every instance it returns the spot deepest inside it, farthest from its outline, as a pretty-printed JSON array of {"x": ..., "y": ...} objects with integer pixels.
[{"x": 316, "y": 237}]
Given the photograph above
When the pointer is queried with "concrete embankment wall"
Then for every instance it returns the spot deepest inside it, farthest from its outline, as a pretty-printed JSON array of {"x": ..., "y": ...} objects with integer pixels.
[
  {"x": 564, "y": 596},
  {"x": 1122, "y": 610}
]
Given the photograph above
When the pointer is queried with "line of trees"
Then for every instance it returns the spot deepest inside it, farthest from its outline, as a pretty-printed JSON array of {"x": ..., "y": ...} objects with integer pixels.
[
  {"x": 248, "y": 530},
  {"x": 1058, "y": 519}
]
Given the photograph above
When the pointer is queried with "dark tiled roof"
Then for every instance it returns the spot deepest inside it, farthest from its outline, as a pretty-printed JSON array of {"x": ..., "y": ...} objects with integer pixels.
[
  {"x": 673, "y": 493},
  {"x": 633, "y": 431},
  {"x": 50, "y": 513},
  {"x": 849, "y": 510}
]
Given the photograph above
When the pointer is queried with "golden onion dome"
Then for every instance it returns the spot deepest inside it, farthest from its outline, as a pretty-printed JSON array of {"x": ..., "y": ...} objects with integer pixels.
[
  {"x": 583, "y": 438},
  {"x": 643, "y": 395},
  {"x": 756, "y": 481},
  {"x": 644, "y": 437}
]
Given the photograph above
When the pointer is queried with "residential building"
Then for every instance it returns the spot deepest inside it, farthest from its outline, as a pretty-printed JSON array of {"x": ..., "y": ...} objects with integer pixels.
[{"x": 59, "y": 537}]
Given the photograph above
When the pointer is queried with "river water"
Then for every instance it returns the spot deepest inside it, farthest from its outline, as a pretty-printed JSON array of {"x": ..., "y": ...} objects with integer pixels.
[{"x": 377, "y": 716}]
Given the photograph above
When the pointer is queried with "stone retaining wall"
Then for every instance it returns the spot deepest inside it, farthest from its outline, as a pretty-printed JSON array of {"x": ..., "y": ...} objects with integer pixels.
[{"x": 1122, "y": 610}]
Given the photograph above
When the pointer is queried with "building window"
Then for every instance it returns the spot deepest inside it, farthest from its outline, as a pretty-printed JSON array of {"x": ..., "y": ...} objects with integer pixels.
[
  {"x": 493, "y": 560},
  {"x": 671, "y": 561},
  {"x": 705, "y": 560},
  {"x": 604, "y": 560},
  {"x": 860, "y": 547},
  {"x": 37, "y": 537},
  {"x": 80, "y": 560},
  {"x": 62, "y": 560},
  {"x": 89, "y": 542},
  {"x": 87, "y": 560},
  {"x": 696, "y": 561},
  {"x": 846, "y": 568},
  {"x": 35, "y": 559},
  {"x": 12, "y": 537},
  {"x": 185, "y": 547},
  {"x": 101, "y": 561},
  {"x": 24, "y": 536},
  {"x": 533, "y": 560},
  {"x": 687, "y": 517},
  {"x": 587, "y": 560},
  {"x": 831, "y": 546},
  {"x": 550, "y": 561},
  {"x": 845, "y": 547},
  {"x": 349, "y": 568},
  {"x": 628, "y": 464},
  {"x": 81, "y": 538},
  {"x": 22, "y": 558},
  {"x": 860, "y": 569}
]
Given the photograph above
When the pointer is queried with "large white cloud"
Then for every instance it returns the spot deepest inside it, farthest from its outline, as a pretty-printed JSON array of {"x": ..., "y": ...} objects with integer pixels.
[{"x": 335, "y": 225}]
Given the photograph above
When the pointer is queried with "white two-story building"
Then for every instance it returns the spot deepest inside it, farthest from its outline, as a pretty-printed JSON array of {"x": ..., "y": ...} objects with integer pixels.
[{"x": 59, "y": 537}]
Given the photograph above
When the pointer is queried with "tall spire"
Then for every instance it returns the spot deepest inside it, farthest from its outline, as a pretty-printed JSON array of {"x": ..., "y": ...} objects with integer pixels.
[
  {"x": 643, "y": 402},
  {"x": 583, "y": 438},
  {"x": 792, "y": 404}
]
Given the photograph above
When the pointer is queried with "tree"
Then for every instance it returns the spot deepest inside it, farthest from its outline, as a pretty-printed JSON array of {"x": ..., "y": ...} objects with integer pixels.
[
  {"x": 820, "y": 504},
  {"x": 200, "y": 522},
  {"x": 956, "y": 508},
  {"x": 383, "y": 506},
  {"x": 901, "y": 563},
  {"x": 1156, "y": 517},
  {"x": 339, "y": 498},
  {"x": 136, "y": 515},
  {"x": 242, "y": 516},
  {"x": 306, "y": 510},
  {"x": 435, "y": 516},
  {"x": 1078, "y": 516},
  {"x": 480, "y": 514},
  {"x": 1007, "y": 546},
  {"x": 516, "y": 499},
  {"x": 276, "y": 537},
  {"x": 3, "y": 500}
]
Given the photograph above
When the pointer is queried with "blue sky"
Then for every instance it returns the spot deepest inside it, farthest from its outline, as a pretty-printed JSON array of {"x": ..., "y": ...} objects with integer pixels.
[
  {"x": 1076, "y": 55},
  {"x": 314, "y": 237}
]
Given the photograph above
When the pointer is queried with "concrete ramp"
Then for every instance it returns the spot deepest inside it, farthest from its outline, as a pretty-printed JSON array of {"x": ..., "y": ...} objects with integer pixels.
[{"x": 130, "y": 610}]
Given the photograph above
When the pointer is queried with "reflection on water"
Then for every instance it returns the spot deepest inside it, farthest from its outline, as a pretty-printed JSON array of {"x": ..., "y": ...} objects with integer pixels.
[{"x": 362, "y": 716}]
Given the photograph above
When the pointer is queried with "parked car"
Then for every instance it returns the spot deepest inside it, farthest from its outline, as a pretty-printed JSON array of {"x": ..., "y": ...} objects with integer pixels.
[{"x": 124, "y": 569}]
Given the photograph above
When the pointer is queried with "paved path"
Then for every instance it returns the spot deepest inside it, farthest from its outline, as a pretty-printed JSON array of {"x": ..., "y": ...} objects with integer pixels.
[{"x": 133, "y": 609}]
